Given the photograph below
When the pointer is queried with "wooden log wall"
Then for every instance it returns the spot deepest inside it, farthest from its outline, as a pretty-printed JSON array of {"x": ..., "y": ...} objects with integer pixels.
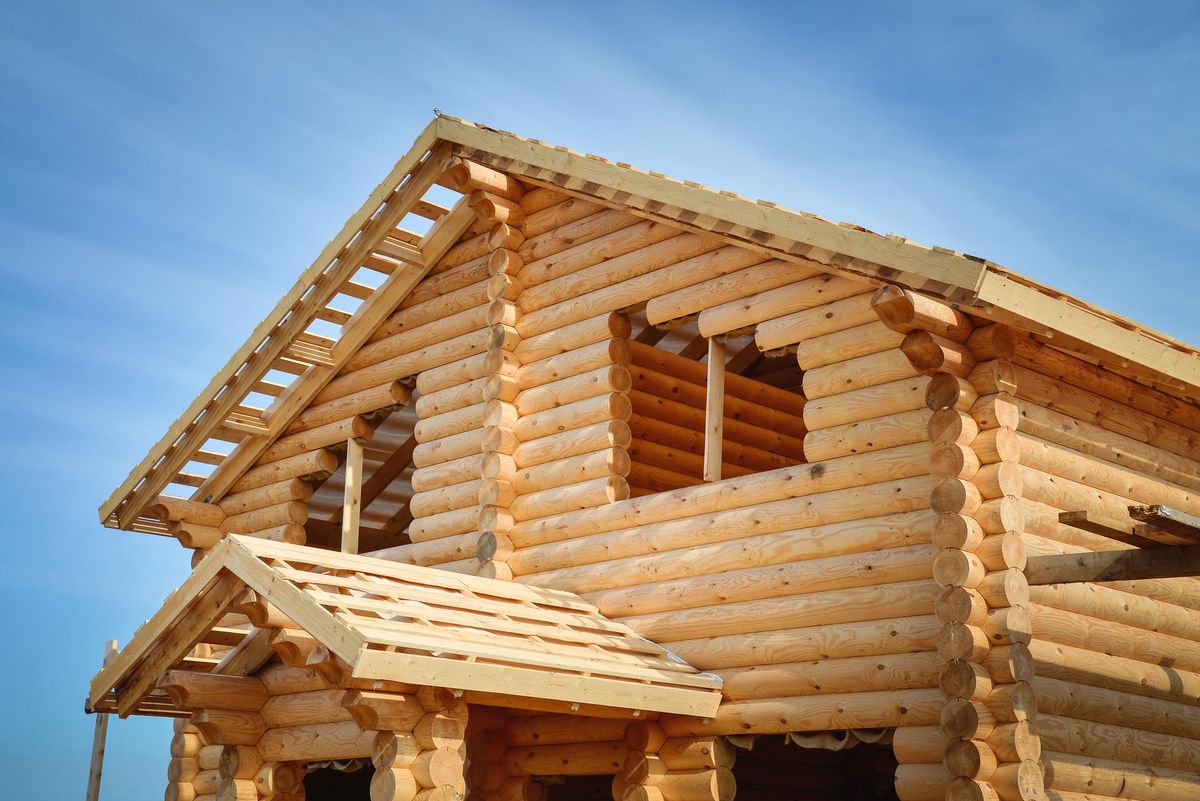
[
  {"x": 250, "y": 739},
  {"x": 763, "y": 426},
  {"x": 1108, "y": 667}
]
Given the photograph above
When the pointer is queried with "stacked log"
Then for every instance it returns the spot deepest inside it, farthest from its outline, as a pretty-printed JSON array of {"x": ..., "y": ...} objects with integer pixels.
[
  {"x": 186, "y": 745},
  {"x": 1085, "y": 439},
  {"x": 661, "y": 768},
  {"x": 762, "y": 428}
]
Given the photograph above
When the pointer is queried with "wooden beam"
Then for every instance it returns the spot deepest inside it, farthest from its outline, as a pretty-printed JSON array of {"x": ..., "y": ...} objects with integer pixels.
[
  {"x": 1172, "y": 521},
  {"x": 1105, "y": 527},
  {"x": 384, "y": 475},
  {"x": 1163, "y": 561},
  {"x": 714, "y": 409},
  {"x": 352, "y": 503},
  {"x": 99, "y": 736}
]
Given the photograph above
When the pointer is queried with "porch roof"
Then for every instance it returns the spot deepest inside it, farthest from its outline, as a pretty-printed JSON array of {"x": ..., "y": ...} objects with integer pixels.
[{"x": 402, "y": 623}]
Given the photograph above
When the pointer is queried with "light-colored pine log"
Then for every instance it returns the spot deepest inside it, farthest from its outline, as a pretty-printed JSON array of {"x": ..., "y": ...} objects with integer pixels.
[
  {"x": 577, "y": 335},
  {"x": 597, "y": 464},
  {"x": 857, "y": 373},
  {"x": 352, "y": 495},
  {"x": 571, "y": 759},
  {"x": 295, "y": 709},
  {"x": 601, "y": 408},
  {"x": 602, "y": 380},
  {"x": 691, "y": 440},
  {"x": 456, "y": 446},
  {"x": 851, "y": 343},
  {"x": 449, "y": 424},
  {"x": 570, "y": 497},
  {"x": 690, "y": 371},
  {"x": 674, "y": 412},
  {"x": 904, "y": 310},
  {"x": 318, "y": 438},
  {"x": 267, "y": 517},
  {"x": 267, "y": 495},
  {"x": 930, "y": 353},
  {"x": 386, "y": 396},
  {"x": 764, "y": 415},
  {"x": 315, "y": 465},
  {"x": 445, "y": 524},
  {"x": 865, "y": 404},
  {"x": 598, "y": 436},
  {"x": 826, "y": 676},
  {"x": 864, "y": 436},
  {"x": 576, "y": 231},
  {"x": 315, "y": 741},
  {"x": 774, "y": 303},
  {"x": 407, "y": 364}
]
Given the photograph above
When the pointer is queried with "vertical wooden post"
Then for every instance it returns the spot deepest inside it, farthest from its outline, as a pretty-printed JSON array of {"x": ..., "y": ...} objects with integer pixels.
[
  {"x": 353, "y": 498},
  {"x": 98, "y": 738},
  {"x": 714, "y": 410}
]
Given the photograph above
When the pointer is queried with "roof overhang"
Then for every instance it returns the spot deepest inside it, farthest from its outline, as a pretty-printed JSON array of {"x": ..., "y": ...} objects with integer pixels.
[{"x": 390, "y": 622}]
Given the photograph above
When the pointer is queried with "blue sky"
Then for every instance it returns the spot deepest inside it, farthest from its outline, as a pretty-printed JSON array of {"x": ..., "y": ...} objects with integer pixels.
[{"x": 168, "y": 169}]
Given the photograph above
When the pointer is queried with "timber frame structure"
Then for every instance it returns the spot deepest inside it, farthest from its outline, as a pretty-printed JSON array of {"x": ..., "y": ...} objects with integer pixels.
[{"x": 549, "y": 467}]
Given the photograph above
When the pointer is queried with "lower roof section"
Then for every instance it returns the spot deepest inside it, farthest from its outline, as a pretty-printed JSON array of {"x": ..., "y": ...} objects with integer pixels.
[{"x": 402, "y": 623}]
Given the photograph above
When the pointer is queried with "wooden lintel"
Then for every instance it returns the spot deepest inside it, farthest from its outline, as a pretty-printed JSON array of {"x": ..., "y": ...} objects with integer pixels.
[{"x": 1164, "y": 561}]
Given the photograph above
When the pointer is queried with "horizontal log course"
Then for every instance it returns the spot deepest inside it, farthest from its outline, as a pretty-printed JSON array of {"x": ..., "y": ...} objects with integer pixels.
[
  {"x": 481, "y": 365},
  {"x": 330, "y": 434},
  {"x": 559, "y": 729},
  {"x": 632, "y": 291},
  {"x": 772, "y": 303},
  {"x": 570, "y": 497},
  {"x": 410, "y": 340},
  {"x": 1082, "y": 631},
  {"x": 589, "y": 357},
  {"x": 445, "y": 499},
  {"x": 455, "y": 471},
  {"x": 685, "y": 462},
  {"x": 316, "y": 706},
  {"x": 771, "y": 439},
  {"x": 1119, "y": 743},
  {"x": 736, "y": 386},
  {"x": 407, "y": 364},
  {"x": 455, "y": 397},
  {"x": 455, "y": 446},
  {"x": 690, "y": 440},
  {"x": 780, "y": 332},
  {"x": 694, "y": 299},
  {"x": 293, "y": 489},
  {"x": 433, "y": 551},
  {"x": 599, "y": 381},
  {"x": 598, "y": 436},
  {"x": 919, "y": 744},
  {"x": 1096, "y": 704},
  {"x": 315, "y": 465},
  {"x": 574, "y": 230},
  {"x": 648, "y": 244},
  {"x": 1063, "y": 367},
  {"x": 838, "y": 346},
  {"x": 1102, "y": 475},
  {"x": 596, "y": 464},
  {"x": 452, "y": 279},
  {"x": 894, "y": 397},
  {"x": 315, "y": 741},
  {"x": 854, "y": 639},
  {"x": 451, "y": 303},
  {"x": 1117, "y": 606},
  {"x": 859, "y": 372},
  {"x": 809, "y": 479},
  {"x": 577, "y": 414},
  {"x": 570, "y": 759},
  {"x": 1091, "y": 408},
  {"x": 786, "y": 421},
  {"x": 809, "y": 713},
  {"x": 444, "y": 524},
  {"x": 556, "y": 216},
  {"x": 467, "y": 176},
  {"x": 280, "y": 514},
  {"x": 864, "y": 436},
  {"x": 468, "y": 418},
  {"x": 854, "y": 674},
  {"x": 870, "y": 568},
  {"x": 571, "y": 280},
  {"x": 1113, "y": 672},
  {"x": 168, "y": 507},
  {"x": 557, "y": 341},
  {"x": 386, "y": 396},
  {"x": 1081, "y": 774},
  {"x": 903, "y": 599},
  {"x": 229, "y": 727},
  {"x": 904, "y": 310},
  {"x": 193, "y": 690}
]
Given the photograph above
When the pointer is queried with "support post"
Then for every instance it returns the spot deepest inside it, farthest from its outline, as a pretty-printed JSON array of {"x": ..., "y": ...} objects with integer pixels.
[
  {"x": 352, "y": 505},
  {"x": 99, "y": 737},
  {"x": 714, "y": 409}
]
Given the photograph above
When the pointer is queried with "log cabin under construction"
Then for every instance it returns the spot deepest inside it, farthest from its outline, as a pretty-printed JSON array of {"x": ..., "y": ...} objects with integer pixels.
[{"x": 553, "y": 478}]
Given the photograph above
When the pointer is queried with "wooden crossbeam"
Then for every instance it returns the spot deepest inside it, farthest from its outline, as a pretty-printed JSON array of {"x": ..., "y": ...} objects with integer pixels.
[
  {"x": 1163, "y": 561},
  {"x": 1106, "y": 527}
]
